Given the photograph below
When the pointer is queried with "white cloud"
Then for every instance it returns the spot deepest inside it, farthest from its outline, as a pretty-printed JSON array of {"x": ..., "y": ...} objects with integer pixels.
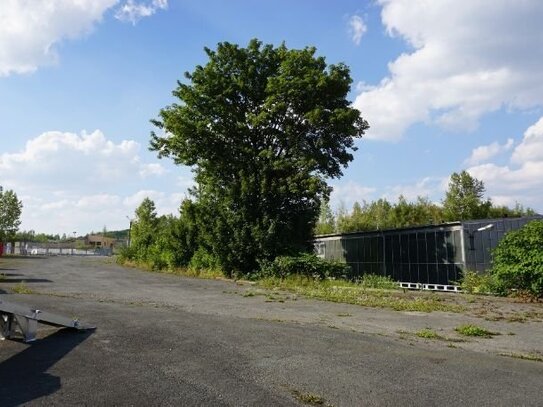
[
  {"x": 60, "y": 160},
  {"x": 133, "y": 11},
  {"x": 531, "y": 148},
  {"x": 165, "y": 203},
  {"x": 152, "y": 169},
  {"x": 468, "y": 58},
  {"x": 84, "y": 181},
  {"x": 522, "y": 179},
  {"x": 350, "y": 192},
  {"x": 30, "y": 30},
  {"x": 431, "y": 187},
  {"x": 485, "y": 153},
  {"x": 357, "y": 28}
]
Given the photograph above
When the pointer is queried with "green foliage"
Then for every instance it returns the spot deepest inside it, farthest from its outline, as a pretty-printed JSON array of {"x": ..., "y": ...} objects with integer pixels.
[
  {"x": 307, "y": 265},
  {"x": 164, "y": 242},
  {"x": 518, "y": 259},
  {"x": 506, "y": 212},
  {"x": 353, "y": 293},
  {"x": 476, "y": 283},
  {"x": 464, "y": 198},
  {"x": 21, "y": 288},
  {"x": 203, "y": 260},
  {"x": 463, "y": 201},
  {"x": 427, "y": 333},
  {"x": 474, "y": 330},
  {"x": 380, "y": 214},
  {"x": 377, "y": 281},
  {"x": 262, "y": 128},
  {"x": 10, "y": 214},
  {"x": 326, "y": 222},
  {"x": 144, "y": 228}
]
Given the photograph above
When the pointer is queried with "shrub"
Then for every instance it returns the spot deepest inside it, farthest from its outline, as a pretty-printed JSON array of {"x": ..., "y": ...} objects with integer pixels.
[
  {"x": 518, "y": 260},
  {"x": 475, "y": 283},
  {"x": 124, "y": 254},
  {"x": 203, "y": 260},
  {"x": 377, "y": 281},
  {"x": 307, "y": 265}
]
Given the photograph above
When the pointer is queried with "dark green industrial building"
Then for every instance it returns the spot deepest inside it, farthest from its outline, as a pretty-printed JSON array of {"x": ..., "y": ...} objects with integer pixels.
[{"x": 433, "y": 254}]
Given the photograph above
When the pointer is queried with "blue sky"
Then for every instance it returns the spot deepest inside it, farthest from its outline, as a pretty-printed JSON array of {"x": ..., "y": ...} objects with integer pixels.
[{"x": 445, "y": 85}]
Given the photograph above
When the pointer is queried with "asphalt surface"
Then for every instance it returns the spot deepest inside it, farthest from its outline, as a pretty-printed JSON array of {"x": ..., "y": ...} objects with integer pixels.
[{"x": 167, "y": 340}]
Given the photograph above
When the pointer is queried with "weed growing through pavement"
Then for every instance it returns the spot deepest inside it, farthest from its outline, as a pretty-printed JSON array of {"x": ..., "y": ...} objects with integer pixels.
[
  {"x": 474, "y": 330},
  {"x": 524, "y": 356},
  {"x": 310, "y": 398},
  {"x": 21, "y": 288},
  {"x": 427, "y": 333}
]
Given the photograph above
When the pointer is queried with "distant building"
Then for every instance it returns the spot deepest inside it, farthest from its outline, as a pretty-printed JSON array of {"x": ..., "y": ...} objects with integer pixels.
[
  {"x": 433, "y": 254},
  {"x": 100, "y": 242}
]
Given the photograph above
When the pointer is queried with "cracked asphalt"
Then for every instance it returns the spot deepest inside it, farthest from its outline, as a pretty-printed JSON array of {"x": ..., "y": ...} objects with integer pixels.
[{"x": 173, "y": 341}]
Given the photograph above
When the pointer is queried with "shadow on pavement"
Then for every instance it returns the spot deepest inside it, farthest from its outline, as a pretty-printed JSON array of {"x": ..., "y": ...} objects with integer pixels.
[
  {"x": 26, "y": 280},
  {"x": 24, "y": 377}
]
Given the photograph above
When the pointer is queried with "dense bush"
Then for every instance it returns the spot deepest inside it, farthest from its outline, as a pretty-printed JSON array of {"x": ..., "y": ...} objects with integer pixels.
[
  {"x": 161, "y": 242},
  {"x": 203, "y": 260},
  {"x": 305, "y": 264},
  {"x": 518, "y": 260},
  {"x": 475, "y": 283}
]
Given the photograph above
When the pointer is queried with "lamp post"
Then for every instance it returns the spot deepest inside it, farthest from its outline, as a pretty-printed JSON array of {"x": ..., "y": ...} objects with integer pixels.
[
  {"x": 129, "y": 231},
  {"x": 73, "y": 246}
]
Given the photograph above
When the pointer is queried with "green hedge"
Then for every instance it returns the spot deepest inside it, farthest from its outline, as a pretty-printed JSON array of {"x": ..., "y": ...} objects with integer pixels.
[
  {"x": 518, "y": 260},
  {"x": 308, "y": 265}
]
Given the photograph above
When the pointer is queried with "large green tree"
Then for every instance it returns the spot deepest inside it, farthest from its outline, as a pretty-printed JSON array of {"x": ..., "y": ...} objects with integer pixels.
[
  {"x": 263, "y": 128},
  {"x": 465, "y": 198},
  {"x": 10, "y": 214}
]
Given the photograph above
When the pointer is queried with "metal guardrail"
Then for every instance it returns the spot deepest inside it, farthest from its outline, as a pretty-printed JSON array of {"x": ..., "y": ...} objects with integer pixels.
[{"x": 22, "y": 318}]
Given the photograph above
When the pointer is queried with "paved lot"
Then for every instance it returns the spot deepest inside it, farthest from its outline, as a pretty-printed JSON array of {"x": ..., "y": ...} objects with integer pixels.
[{"x": 166, "y": 340}]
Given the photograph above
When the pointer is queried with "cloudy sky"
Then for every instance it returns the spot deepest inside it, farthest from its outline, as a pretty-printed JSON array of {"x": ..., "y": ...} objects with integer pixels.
[{"x": 446, "y": 85}]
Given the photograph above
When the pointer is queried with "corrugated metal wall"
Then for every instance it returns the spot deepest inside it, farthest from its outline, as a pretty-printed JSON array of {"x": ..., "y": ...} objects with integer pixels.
[
  {"x": 430, "y": 255},
  {"x": 426, "y": 255},
  {"x": 479, "y": 244}
]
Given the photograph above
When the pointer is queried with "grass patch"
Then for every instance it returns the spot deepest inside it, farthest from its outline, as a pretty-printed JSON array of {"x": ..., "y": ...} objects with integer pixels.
[
  {"x": 21, "y": 288},
  {"x": 524, "y": 356},
  {"x": 378, "y": 282},
  {"x": 354, "y": 293},
  {"x": 310, "y": 398},
  {"x": 474, "y": 330},
  {"x": 207, "y": 274},
  {"x": 427, "y": 333}
]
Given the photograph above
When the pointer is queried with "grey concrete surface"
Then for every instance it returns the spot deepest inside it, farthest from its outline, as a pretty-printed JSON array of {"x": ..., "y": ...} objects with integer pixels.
[{"x": 167, "y": 340}]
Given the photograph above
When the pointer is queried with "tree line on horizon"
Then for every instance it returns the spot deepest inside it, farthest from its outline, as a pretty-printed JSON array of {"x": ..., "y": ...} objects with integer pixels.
[{"x": 464, "y": 200}]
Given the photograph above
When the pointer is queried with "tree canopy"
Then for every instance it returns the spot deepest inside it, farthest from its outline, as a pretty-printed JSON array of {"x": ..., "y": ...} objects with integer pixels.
[
  {"x": 464, "y": 198},
  {"x": 10, "y": 214},
  {"x": 263, "y": 128}
]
